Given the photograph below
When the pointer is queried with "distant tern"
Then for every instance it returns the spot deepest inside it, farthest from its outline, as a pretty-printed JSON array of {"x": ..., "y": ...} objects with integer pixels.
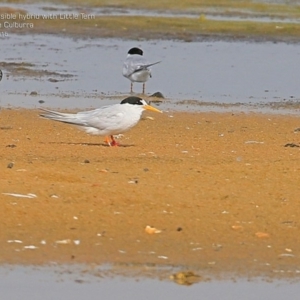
[
  {"x": 107, "y": 120},
  {"x": 136, "y": 67}
]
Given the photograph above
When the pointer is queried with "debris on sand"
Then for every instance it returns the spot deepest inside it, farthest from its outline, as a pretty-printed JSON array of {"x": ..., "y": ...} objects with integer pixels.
[
  {"x": 185, "y": 278},
  {"x": 151, "y": 230},
  {"x": 29, "y": 195},
  {"x": 262, "y": 235}
]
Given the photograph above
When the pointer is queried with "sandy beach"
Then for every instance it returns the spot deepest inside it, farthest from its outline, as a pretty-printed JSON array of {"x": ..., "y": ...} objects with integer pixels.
[{"x": 220, "y": 189}]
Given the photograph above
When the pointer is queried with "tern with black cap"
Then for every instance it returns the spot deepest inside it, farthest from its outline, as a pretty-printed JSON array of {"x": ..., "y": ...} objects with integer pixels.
[
  {"x": 136, "y": 68},
  {"x": 107, "y": 120}
]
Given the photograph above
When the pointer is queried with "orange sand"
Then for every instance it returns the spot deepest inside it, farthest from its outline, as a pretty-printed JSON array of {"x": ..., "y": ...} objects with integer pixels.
[{"x": 222, "y": 188}]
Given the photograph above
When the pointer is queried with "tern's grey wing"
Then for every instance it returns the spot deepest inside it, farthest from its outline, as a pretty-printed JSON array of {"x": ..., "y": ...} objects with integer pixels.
[
  {"x": 107, "y": 117},
  {"x": 61, "y": 117},
  {"x": 144, "y": 67},
  {"x": 133, "y": 63}
]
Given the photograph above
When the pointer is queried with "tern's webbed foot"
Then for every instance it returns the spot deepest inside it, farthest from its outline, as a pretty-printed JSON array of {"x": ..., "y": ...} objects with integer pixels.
[{"x": 112, "y": 142}]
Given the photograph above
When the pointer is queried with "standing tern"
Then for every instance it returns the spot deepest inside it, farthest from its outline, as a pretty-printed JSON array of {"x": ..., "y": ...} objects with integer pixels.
[
  {"x": 136, "y": 67},
  {"x": 107, "y": 120}
]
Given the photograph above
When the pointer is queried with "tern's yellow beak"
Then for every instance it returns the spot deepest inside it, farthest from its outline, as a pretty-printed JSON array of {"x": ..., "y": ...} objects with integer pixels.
[{"x": 149, "y": 107}]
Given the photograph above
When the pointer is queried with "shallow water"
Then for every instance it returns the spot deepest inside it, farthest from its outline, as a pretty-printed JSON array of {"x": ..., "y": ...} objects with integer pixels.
[
  {"x": 58, "y": 283},
  {"x": 88, "y": 71}
]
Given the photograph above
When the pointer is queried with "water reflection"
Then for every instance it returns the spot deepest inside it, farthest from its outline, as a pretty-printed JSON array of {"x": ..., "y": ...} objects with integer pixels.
[{"x": 67, "y": 282}]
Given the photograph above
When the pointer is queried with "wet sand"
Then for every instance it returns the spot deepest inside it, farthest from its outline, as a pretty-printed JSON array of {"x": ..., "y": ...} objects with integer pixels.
[{"x": 222, "y": 189}]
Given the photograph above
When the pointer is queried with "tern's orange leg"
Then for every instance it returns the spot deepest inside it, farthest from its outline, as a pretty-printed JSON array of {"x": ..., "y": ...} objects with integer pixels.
[
  {"x": 111, "y": 142},
  {"x": 143, "y": 88},
  {"x": 131, "y": 87},
  {"x": 107, "y": 141}
]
